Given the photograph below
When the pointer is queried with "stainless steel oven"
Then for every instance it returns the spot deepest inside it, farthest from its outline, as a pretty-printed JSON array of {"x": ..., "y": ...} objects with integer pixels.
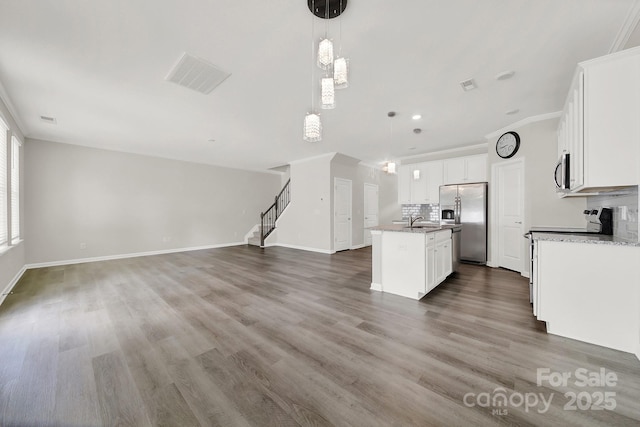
[{"x": 562, "y": 174}]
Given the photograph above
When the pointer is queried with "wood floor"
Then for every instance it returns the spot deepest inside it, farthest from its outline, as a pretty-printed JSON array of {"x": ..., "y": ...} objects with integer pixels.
[{"x": 244, "y": 336}]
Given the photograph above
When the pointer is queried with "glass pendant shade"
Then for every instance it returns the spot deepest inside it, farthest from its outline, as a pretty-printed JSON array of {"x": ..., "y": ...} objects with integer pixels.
[
  {"x": 327, "y": 96},
  {"x": 341, "y": 73},
  {"x": 391, "y": 167},
  {"x": 325, "y": 54},
  {"x": 312, "y": 128}
]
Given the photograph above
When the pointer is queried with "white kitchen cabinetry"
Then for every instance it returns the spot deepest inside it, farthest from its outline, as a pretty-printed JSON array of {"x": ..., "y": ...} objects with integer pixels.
[
  {"x": 460, "y": 170},
  {"x": 410, "y": 264},
  {"x": 433, "y": 172},
  {"x": 431, "y": 263},
  {"x": 443, "y": 256},
  {"x": 439, "y": 258},
  {"x": 600, "y": 125},
  {"x": 422, "y": 187},
  {"x": 580, "y": 299},
  {"x": 404, "y": 185}
]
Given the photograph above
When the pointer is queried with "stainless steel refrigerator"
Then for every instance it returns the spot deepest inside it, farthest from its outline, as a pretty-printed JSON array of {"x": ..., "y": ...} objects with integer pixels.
[{"x": 466, "y": 204}]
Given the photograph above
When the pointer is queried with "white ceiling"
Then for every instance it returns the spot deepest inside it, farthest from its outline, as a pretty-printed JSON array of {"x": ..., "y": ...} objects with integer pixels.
[{"x": 98, "y": 67}]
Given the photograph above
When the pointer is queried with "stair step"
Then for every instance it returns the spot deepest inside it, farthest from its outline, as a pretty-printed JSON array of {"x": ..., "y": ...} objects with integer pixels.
[{"x": 255, "y": 241}]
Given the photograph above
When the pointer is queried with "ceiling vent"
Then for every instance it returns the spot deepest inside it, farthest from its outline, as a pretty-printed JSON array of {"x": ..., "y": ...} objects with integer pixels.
[
  {"x": 196, "y": 74},
  {"x": 50, "y": 120},
  {"x": 468, "y": 85}
]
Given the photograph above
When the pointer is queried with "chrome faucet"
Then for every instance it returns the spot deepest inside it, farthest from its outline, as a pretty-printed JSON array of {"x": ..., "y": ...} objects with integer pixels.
[{"x": 412, "y": 220}]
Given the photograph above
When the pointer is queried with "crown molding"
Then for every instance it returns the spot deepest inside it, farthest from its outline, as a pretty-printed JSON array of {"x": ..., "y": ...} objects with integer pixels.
[
  {"x": 628, "y": 26},
  {"x": 4, "y": 96},
  {"x": 523, "y": 122},
  {"x": 480, "y": 146}
]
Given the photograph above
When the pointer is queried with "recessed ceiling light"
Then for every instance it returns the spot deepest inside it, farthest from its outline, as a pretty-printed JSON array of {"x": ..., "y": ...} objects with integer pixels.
[
  {"x": 50, "y": 120},
  {"x": 211, "y": 140},
  {"x": 416, "y": 117},
  {"x": 505, "y": 75},
  {"x": 417, "y": 130},
  {"x": 468, "y": 85},
  {"x": 511, "y": 112},
  {"x": 411, "y": 148}
]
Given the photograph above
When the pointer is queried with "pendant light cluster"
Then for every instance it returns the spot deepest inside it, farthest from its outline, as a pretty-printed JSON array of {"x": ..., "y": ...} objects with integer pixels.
[{"x": 336, "y": 72}]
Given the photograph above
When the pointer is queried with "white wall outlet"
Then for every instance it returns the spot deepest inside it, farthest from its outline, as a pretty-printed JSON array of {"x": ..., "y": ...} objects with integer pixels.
[{"x": 83, "y": 245}]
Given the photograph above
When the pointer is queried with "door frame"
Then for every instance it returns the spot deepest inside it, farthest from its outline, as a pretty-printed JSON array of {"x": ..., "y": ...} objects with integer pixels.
[
  {"x": 364, "y": 213},
  {"x": 335, "y": 212},
  {"x": 494, "y": 223}
]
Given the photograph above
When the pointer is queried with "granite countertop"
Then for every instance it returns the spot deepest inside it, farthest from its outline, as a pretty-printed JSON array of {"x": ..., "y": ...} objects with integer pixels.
[
  {"x": 404, "y": 228},
  {"x": 599, "y": 239}
]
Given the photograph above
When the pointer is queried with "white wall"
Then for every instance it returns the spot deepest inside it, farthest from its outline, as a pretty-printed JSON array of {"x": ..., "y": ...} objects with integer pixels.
[
  {"x": 13, "y": 260},
  {"x": 538, "y": 146},
  {"x": 117, "y": 203},
  {"x": 349, "y": 168},
  {"x": 306, "y": 223}
]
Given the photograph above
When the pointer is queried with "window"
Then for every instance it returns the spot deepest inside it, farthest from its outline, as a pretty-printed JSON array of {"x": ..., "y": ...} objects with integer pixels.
[
  {"x": 4, "y": 132},
  {"x": 15, "y": 190}
]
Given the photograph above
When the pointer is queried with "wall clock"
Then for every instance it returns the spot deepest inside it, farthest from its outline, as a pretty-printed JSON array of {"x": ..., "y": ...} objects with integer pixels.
[{"x": 508, "y": 144}]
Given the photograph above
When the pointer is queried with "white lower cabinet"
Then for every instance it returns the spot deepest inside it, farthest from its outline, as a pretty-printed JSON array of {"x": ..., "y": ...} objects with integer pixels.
[
  {"x": 439, "y": 260},
  {"x": 430, "y": 282},
  {"x": 589, "y": 292}
]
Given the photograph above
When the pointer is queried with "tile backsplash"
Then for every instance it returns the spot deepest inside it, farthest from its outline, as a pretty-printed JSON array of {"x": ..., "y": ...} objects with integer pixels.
[
  {"x": 625, "y": 212},
  {"x": 429, "y": 212}
]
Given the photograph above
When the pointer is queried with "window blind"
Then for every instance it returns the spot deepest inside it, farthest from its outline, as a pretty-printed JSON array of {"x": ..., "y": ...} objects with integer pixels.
[
  {"x": 4, "y": 129},
  {"x": 15, "y": 189}
]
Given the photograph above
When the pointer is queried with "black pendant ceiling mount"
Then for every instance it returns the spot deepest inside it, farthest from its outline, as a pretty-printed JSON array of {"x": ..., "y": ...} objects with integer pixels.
[{"x": 336, "y": 7}]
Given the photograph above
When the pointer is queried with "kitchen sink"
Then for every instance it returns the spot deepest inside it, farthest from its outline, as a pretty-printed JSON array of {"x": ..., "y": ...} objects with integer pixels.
[{"x": 424, "y": 226}]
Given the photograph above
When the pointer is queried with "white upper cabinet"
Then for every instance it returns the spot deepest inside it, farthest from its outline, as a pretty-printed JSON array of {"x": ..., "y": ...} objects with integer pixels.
[
  {"x": 600, "y": 124},
  {"x": 433, "y": 172},
  {"x": 462, "y": 170},
  {"x": 404, "y": 185},
  {"x": 420, "y": 183}
]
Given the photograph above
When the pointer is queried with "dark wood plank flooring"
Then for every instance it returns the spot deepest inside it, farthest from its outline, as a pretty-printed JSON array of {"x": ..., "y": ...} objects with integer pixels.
[{"x": 243, "y": 336}]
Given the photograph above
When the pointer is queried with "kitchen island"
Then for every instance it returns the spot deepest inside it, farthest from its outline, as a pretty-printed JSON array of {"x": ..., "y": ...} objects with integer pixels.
[{"x": 411, "y": 261}]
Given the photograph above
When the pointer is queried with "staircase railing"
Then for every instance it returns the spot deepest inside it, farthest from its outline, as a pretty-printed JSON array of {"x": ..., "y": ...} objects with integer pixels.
[{"x": 270, "y": 216}]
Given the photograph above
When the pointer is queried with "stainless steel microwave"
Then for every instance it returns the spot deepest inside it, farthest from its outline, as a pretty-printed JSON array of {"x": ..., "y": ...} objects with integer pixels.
[{"x": 562, "y": 173}]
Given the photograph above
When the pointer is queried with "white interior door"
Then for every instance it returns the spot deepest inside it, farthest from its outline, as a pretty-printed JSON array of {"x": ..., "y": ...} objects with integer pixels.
[
  {"x": 342, "y": 214},
  {"x": 511, "y": 215},
  {"x": 370, "y": 210}
]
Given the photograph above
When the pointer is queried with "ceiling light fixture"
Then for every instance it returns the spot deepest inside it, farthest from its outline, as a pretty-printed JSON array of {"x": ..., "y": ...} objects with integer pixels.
[
  {"x": 312, "y": 128},
  {"x": 335, "y": 71},
  {"x": 390, "y": 167},
  {"x": 416, "y": 117},
  {"x": 505, "y": 75},
  {"x": 341, "y": 64},
  {"x": 511, "y": 112}
]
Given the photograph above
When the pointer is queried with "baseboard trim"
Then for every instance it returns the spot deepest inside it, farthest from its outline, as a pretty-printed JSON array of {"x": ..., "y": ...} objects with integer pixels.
[
  {"x": 638, "y": 352},
  {"x": 12, "y": 283},
  {"x": 130, "y": 255},
  {"x": 376, "y": 287},
  {"x": 359, "y": 246},
  {"x": 302, "y": 248}
]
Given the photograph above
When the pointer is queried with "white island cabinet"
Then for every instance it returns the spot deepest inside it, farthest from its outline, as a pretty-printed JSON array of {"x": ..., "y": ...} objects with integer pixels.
[{"x": 410, "y": 263}]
